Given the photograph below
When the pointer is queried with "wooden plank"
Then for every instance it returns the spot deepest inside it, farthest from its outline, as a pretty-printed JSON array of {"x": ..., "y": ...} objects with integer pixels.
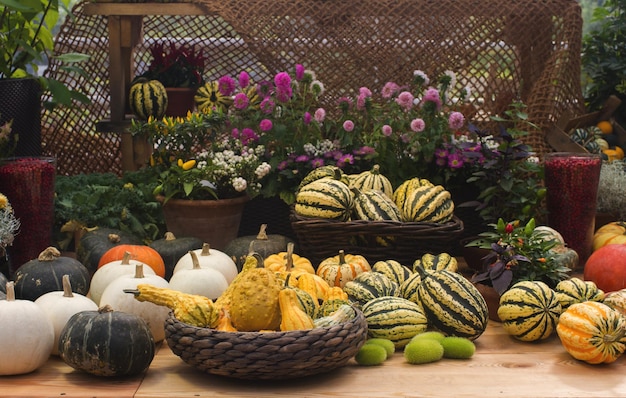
[{"x": 99, "y": 8}]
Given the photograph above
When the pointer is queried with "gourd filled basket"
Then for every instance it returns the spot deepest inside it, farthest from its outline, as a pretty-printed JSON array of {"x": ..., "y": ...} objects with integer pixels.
[
  {"x": 266, "y": 355},
  {"x": 375, "y": 240}
]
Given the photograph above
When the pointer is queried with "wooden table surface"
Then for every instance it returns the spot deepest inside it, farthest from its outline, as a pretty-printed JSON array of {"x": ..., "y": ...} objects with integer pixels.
[{"x": 501, "y": 367}]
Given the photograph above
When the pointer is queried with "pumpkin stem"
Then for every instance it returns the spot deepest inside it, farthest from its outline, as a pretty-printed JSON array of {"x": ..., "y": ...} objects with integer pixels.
[
  {"x": 114, "y": 238},
  {"x": 126, "y": 258},
  {"x": 262, "y": 235},
  {"x": 169, "y": 236},
  {"x": 194, "y": 260},
  {"x": 206, "y": 249},
  {"x": 10, "y": 291},
  {"x": 139, "y": 271},
  {"x": 104, "y": 309},
  {"x": 251, "y": 248},
  {"x": 49, "y": 254},
  {"x": 67, "y": 286},
  {"x": 616, "y": 336},
  {"x": 289, "y": 257},
  {"x": 342, "y": 257}
]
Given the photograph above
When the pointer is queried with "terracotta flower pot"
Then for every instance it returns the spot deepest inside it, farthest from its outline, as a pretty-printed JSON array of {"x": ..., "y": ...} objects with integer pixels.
[{"x": 216, "y": 222}]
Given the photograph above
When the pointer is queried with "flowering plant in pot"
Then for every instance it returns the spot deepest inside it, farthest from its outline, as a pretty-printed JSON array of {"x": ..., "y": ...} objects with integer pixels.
[
  {"x": 399, "y": 128},
  {"x": 176, "y": 65}
]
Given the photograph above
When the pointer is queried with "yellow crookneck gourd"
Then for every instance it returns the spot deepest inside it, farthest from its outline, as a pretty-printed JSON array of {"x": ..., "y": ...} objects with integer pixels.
[
  {"x": 292, "y": 316},
  {"x": 192, "y": 309},
  {"x": 252, "y": 297}
]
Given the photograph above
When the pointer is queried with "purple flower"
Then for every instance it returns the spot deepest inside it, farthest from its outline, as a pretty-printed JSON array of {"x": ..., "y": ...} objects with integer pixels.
[
  {"x": 364, "y": 150},
  {"x": 264, "y": 89},
  {"x": 344, "y": 160},
  {"x": 418, "y": 125},
  {"x": 267, "y": 106},
  {"x": 361, "y": 101},
  {"x": 302, "y": 159},
  {"x": 389, "y": 90},
  {"x": 432, "y": 95},
  {"x": 282, "y": 80},
  {"x": 317, "y": 162},
  {"x": 405, "y": 100},
  {"x": 266, "y": 125},
  {"x": 235, "y": 133},
  {"x": 455, "y": 161},
  {"x": 320, "y": 115},
  {"x": 365, "y": 92},
  {"x": 226, "y": 85},
  {"x": 387, "y": 130},
  {"x": 248, "y": 135},
  {"x": 299, "y": 71},
  {"x": 241, "y": 101},
  {"x": 283, "y": 94},
  {"x": 405, "y": 138},
  {"x": 348, "y": 125},
  {"x": 456, "y": 120},
  {"x": 282, "y": 165},
  {"x": 306, "y": 118},
  {"x": 244, "y": 79}
]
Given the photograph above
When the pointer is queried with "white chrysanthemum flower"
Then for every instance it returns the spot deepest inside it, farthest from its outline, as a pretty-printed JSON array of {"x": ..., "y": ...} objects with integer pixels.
[{"x": 240, "y": 184}]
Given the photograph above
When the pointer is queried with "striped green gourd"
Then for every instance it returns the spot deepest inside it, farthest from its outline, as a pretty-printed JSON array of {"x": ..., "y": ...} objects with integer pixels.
[
  {"x": 576, "y": 290},
  {"x": 321, "y": 172},
  {"x": 428, "y": 204},
  {"x": 452, "y": 303},
  {"x": 408, "y": 288},
  {"x": 394, "y": 318},
  {"x": 325, "y": 198},
  {"x": 147, "y": 98},
  {"x": 529, "y": 311},
  {"x": 373, "y": 180},
  {"x": 369, "y": 285},
  {"x": 305, "y": 301},
  {"x": 374, "y": 205},
  {"x": 393, "y": 270},
  {"x": 402, "y": 191},
  {"x": 436, "y": 262}
]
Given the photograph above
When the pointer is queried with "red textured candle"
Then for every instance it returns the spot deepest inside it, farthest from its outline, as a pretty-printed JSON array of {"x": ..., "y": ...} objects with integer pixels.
[
  {"x": 28, "y": 182},
  {"x": 572, "y": 183}
]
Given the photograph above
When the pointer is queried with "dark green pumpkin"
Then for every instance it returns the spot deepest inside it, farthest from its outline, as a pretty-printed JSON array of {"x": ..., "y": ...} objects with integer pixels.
[
  {"x": 107, "y": 343},
  {"x": 45, "y": 274},
  {"x": 172, "y": 248},
  {"x": 262, "y": 243},
  {"x": 94, "y": 243},
  {"x": 3, "y": 283}
]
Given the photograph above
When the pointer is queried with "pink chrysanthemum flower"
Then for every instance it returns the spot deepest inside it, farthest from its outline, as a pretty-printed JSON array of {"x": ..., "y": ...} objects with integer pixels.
[
  {"x": 267, "y": 106},
  {"x": 405, "y": 100},
  {"x": 317, "y": 162},
  {"x": 282, "y": 165},
  {"x": 432, "y": 95},
  {"x": 226, "y": 85},
  {"x": 306, "y": 118},
  {"x": 299, "y": 71},
  {"x": 418, "y": 125},
  {"x": 282, "y": 80},
  {"x": 364, "y": 91},
  {"x": 344, "y": 160},
  {"x": 361, "y": 100},
  {"x": 302, "y": 159},
  {"x": 244, "y": 79},
  {"x": 456, "y": 120},
  {"x": 266, "y": 125},
  {"x": 283, "y": 94},
  {"x": 455, "y": 161},
  {"x": 389, "y": 90},
  {"x": 241, "y": 101},
  {"x": 348, "y": 125},
  {"x": 320, "y": 115},
  {"x": 387, "y": 130},
  {"x": 248, "y": 135}
]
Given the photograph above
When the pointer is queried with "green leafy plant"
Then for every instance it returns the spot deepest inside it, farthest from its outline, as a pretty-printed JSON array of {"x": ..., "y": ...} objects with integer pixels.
[
  {"x": 27, "y": 40},
  {"x": 518, "y": 253},
  {"x": 603, "y": 54},
  {"x": 107, "y": 200}
]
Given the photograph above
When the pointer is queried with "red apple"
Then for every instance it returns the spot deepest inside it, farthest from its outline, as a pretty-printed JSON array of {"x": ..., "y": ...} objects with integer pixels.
[{"x": 606, "y": 267}]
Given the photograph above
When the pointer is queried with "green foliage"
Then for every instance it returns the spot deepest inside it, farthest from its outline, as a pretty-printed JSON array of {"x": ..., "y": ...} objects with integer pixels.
[
  {"x": 604, "y": 57},
  {"x": 106, "y": 200}
]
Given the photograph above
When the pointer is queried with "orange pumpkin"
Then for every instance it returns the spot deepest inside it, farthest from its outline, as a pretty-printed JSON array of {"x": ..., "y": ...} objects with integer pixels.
[
  {"x": 609, "y": 234},
  {"x": 606, "y": 267},
  {"x": 288, "y": 262},
  {"x": 142, "y": 253},
  {"x": 341, "y": 269}
]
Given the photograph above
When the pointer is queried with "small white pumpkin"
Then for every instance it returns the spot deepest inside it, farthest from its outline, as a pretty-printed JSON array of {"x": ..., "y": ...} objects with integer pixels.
[
  {"x": 210, "y": 258},
  {"x": 154, "y": 315},
  {"x": 26, "y": 335},
  {"x": 207, "y": 281},
  {"x": 59, "y": 306},
  {"x": 109, "y": 272}
]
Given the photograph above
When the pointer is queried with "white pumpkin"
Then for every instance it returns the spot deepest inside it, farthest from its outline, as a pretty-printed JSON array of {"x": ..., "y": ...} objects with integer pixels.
[
  {"x": 154, "y": 315},
  {"x": 210, "y": 258},
  {"x": 26, "y": 335},
  {"x": 59, "y": 306},
  {"x": 207, "y": 281},
  {"x": 109, "y": 272}
]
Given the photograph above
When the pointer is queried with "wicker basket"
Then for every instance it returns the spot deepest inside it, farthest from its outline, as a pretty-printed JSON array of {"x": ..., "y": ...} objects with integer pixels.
[
  {"x": 405, "y": 242},
  {"x": 266, "y": 355}
]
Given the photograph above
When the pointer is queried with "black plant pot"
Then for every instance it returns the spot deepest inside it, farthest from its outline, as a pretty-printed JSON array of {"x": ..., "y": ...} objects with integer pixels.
[{"x": 20, "y": 101}]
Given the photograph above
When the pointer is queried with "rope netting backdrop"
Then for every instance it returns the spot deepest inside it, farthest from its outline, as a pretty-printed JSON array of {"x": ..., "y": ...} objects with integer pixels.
[{"x": 527, "y": 50}]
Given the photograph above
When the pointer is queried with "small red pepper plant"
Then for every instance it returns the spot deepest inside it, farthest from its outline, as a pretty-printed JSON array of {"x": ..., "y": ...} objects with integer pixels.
[{"x": 518, "y": 253}]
